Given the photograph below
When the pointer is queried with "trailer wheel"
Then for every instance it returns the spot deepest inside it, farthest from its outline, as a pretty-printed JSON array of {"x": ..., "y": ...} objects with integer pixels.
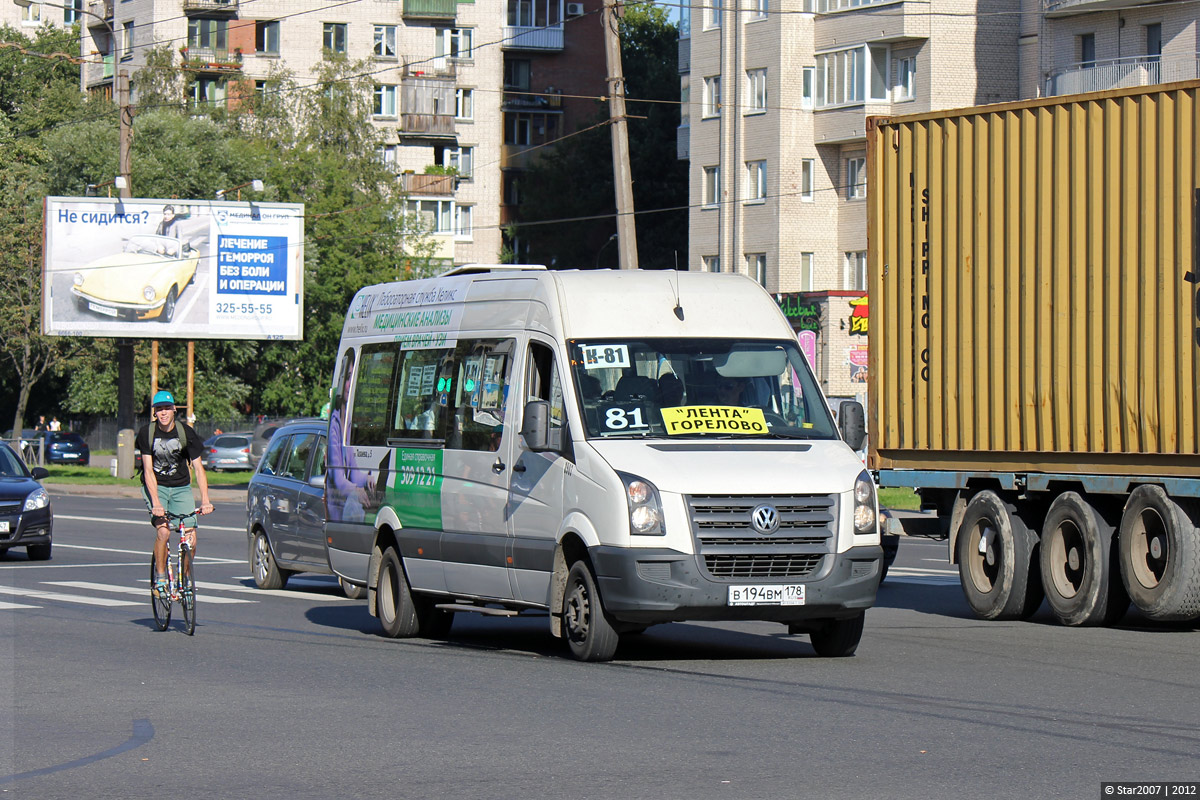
[
  {"x": 997, "y": 563},
  {"x": 1160, "y": 554},
  {"x": 1078, "y": 565}
]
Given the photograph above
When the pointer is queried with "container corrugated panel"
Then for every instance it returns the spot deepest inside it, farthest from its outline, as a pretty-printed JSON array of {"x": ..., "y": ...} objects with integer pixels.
[{"x": 1031, "y": 282}]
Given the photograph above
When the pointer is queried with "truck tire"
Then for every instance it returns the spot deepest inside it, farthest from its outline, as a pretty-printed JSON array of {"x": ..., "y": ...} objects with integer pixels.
[
  {"x": 997, "y": 563},
  {"x": 1078, "y": 564},
  {"x": 1159, "y": 548}
]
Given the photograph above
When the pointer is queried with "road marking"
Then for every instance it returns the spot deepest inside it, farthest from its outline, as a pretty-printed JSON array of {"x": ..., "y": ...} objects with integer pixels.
[
  {"x": 144, "y": 591},
  {"x": 146, "y": 553},
  {"x": 141, "y": 522},
  {"x": 921, "y": 571},
  {"x": 275, "y": 592},
  {"x": 4, "y": 605},
  {"x": 66, "y": 598},
  {"x": 925, "y": 580}
]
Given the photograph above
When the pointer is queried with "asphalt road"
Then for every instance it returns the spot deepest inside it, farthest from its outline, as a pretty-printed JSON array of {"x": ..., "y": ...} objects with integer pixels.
[{"x": 294, "y": 694}]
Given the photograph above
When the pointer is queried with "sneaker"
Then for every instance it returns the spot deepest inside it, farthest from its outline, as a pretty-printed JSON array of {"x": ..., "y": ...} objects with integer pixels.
[{"x": 160, "y": 586}]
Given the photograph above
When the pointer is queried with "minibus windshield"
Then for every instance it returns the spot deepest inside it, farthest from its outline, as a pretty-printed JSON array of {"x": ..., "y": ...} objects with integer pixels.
[{"x": 697, "y": 388}]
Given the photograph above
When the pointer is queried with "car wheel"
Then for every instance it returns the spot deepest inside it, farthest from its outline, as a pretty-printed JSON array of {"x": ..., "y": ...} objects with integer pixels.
[
  {"x": 352, "y": 590},
  {"x": 168, "y": 309},
  {"x": 267, "y": 574},
  {"x": 38, "y": 552}
]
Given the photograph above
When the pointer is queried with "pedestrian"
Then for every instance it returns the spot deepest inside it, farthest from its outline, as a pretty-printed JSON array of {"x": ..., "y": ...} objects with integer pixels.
[
  {"x": 167, "y": 448},
  {"x": 41, "y": 424},
  {"x": 55, "y": 425}
]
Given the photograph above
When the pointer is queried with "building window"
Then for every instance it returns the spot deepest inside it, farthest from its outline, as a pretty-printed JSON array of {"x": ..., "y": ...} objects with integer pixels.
[
  {"x": 808, "y": 77},
  {"x": 260, "y": 88},
  {"x": 385, "y": 41},
  {"x": 880, "y": 59},
  {"x": 712, "y": 185},
  {"x": 856, "y": 178},
  {"x": 208, "y": 92},
  {"x": 31, "y": 14},
  {"x": 518, "y": 129},
  {"x": 384, "y": 101},
  {"x": 1154, "y": 41},
  {"x": 756, "y": 91},
  {"x": 387, "y": 156},
  {"x": 516, "y": 74},
  {"x": 462, "y": 221},
  {"x": 334, "y": 37},
  {"x": 462, "y": 159},
  {"x": 856, "y": 271},
  {"x": 906, "y": 79},
  {"x": 435, "y": 216},
  {"x": 71, "y": 11},
  {"x": 756, "y": 267},
  {"x": 807, "y": 170},
  {"x": 464, "y": 104},
  {"x": 266, "y": 37},
  {"x": 712, "y": 97},
  {"x": 806, "y": 272},
  {"x": 1087, "y": 49},
  {"x": 711, "y": 263},
  {"x": 456, "y": 42},
  {"x": 207, "y": 34},
  {"x": 756, "y": 181},
  {"x": 840, "y": 77},
  {"x": 759, "y": 9},
  {"x": 127, "y": 40},
  {"x": 714, "y": 14}
]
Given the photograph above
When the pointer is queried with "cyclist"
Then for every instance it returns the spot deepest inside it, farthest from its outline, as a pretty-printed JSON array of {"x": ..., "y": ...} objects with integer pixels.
[{"x": 167, "y": 447}]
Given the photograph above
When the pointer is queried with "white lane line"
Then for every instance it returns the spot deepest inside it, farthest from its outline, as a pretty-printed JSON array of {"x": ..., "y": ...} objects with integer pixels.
[
  {"x": 143, "y": 521},
  {"x": 925, "y": 580},
  {"x": 145, "y": 591},
  {"x": 38, "y": 594},
  {"x": 26, "y": 566},
  {"x": 5, "y": 606},
  {"x": 922, "y": 571},
  {"x": 274, "y": 592},
  {"x": 146, "y": 553}
]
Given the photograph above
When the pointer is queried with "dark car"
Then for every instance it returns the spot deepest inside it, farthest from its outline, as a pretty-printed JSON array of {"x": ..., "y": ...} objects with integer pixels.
[
  {"x": 26, "y": 516},
  {"x": 66, "y": 448},
  {"x": 285, "y": 508},
  {"x": 227, "y": 451}
]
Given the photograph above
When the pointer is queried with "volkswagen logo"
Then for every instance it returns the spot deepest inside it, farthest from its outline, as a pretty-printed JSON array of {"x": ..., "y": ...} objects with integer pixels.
[{"x": 765, "y": 519}]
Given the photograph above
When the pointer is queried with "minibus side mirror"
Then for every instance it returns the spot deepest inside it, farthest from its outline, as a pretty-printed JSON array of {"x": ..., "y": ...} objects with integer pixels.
[
  {"x": 852, "y": 424},
  {"x": 535, "y": 426}
]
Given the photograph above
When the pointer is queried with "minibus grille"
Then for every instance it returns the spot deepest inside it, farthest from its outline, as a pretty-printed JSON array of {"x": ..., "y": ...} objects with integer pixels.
[{"x": 732, "y": 548}]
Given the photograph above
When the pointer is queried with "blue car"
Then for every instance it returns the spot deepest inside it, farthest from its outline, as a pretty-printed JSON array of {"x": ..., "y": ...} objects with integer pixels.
[{"x": 26, "y": 516}]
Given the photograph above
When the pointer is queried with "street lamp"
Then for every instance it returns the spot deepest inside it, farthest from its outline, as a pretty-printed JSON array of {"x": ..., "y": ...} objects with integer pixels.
[
  {"x": 118, "y": 182},
  {"x": 601, "y": 250},
  {"x": 255, "y": 185}
]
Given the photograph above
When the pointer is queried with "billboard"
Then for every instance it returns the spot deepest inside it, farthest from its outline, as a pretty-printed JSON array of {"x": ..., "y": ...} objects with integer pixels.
[{"x": 172, "y": 269}]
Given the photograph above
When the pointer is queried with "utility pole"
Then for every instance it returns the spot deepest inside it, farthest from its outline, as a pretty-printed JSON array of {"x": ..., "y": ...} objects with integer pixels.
[
  {"x": 622, "y": 177},
  {"x": 125, "y": 411}
]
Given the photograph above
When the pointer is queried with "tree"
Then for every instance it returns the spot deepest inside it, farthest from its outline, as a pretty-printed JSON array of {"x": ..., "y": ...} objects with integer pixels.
[{"x": 574, "y": 180}]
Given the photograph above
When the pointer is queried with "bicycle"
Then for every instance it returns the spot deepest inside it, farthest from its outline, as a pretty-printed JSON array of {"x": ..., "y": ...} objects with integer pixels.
[{"x": 181, "y": 581}]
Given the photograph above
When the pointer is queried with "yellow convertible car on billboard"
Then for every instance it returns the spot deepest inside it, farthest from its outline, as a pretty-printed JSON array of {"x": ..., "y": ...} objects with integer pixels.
[{"x": 143, "y": 282}]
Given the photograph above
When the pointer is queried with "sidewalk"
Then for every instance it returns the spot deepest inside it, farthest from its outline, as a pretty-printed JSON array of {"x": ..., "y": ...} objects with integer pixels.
[{"x": 219, "y": 495}]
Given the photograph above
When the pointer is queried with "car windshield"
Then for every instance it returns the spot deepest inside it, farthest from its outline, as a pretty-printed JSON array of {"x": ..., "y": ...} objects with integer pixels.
[
  {"x": 153, "y": 245},
  {"x": 10, "y": 464},
  {"x": 688, "y": 388}
]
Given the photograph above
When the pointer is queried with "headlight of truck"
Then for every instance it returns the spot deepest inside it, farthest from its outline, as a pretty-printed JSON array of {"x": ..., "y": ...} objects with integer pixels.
[
  {"x": 645, "y": 509},
  {"x": 38, "y": 498},
  {"x": 865, "y": 519}
]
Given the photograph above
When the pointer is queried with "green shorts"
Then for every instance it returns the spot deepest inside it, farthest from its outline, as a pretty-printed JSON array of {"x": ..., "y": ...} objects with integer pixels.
[{"x": 175, "y": 499}]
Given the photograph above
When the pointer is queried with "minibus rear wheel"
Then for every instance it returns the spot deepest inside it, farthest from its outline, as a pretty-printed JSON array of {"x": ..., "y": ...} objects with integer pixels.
[{"x": 588, "y": 630}]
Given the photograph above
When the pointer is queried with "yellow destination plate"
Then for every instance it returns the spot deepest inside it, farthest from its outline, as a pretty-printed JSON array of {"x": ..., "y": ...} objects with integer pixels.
[{"x": 714, "y": 419}]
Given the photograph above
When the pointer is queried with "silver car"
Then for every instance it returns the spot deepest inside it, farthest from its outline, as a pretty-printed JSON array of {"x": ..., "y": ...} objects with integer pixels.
[{"x": 227, "y": 451}]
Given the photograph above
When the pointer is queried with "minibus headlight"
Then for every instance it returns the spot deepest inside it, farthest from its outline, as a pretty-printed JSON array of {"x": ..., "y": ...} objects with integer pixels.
[
  {"x": 645, "y": 509},
  {"x": 865, "y": 518}
]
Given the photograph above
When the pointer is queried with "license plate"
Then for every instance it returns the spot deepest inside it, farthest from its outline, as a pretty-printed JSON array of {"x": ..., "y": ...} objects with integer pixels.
[
  {"x": 789, "y": 594},
  {"x": 112, "y": 312},
  {"x": 4, "y": 526}
]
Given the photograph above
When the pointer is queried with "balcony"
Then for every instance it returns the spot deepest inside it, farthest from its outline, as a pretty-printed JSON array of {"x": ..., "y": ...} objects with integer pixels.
[
  {"x": 210, "y": 6},
  {"x": 685, "y": 56},
  {"x": 426, "y": 107},
  {"x": 211, "y": 59},
  {"x": 101, "y": 8},
  {"x": 845, "y": 124},
  {"x": 523, "y": 37},
  {"x": 1122, "y": 73},
  {"x": 895, "y": 22},
  {"x": 428, "y": 185},
  {"x": 430, "y": 9},
  {"x": 683, "y": 142},
  {"x": 428, "y": 67},
  {"x": 1066, "y": 8},
  {"x": 97, "y": 73}
]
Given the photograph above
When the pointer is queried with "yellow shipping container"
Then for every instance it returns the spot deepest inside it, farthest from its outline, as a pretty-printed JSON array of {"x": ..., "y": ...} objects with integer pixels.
[{"x": 1032, "y": 286}]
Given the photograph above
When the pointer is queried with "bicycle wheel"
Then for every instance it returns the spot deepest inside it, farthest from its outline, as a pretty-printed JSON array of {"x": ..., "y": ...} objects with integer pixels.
[
  {"x": 187, "y": 596},
  {"x": 160, "y": 603}
]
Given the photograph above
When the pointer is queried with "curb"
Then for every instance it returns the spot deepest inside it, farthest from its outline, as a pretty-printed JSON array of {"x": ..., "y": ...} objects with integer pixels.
[{"x": 217, "y": 495}]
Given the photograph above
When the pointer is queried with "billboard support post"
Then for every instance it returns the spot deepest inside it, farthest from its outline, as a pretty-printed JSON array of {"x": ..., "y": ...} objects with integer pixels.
[
  {"x": 154, "y": 367},
  {"x": 191, "y": 372}
]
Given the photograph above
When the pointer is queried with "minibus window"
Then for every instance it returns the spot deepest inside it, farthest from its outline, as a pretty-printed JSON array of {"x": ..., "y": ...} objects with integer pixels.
[{"x": 480, "y": 390}]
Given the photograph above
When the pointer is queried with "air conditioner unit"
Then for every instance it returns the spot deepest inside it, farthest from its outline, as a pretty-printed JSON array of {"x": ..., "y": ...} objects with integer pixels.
[{"x": 574, "y": 9}]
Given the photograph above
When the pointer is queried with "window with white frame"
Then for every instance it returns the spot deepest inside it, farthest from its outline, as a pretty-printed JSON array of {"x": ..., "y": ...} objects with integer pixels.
[
  {"x": 711, "y": 263},
  {"x": 385, "y": 41},
  {"x": 712, "y": 185},
  {"x": 435, "y": 216},
  {"x": 825, "y": 6},
  {"x": 806, "y": 272},
  {"x": 464, "y": 103},
  {"x": 759, "y": 9},
  {"x": 387, "y": 156},
  {"x": 808, "y": 79},
  {"x": 714, "y": 14},
  {"x": 72, "y": 10},
  {"x": 906, "y": 79},
  {"x": 127, "y": 40},
  {"x": 756, "y": 181},
  {"x": 840, "y": 77},
  {"x": 463, "y": 221},
  {"x": 756, "y": 91},
  {"x": 266, "y": 37},
  {"x": 31, "y": 14},
  {"x": 712, "y": 97},
  {"x": 808, "y": 168},
  {"x": 756, "y": 267},
  {"x": 856, "y": 271},
  {"x": 384, "y": 101},
  {"x": 462, "y": 159},
  {"x": 208, "y": 91},
  {"x": 879, "y": 58},
  {"x": 456, "y": 42},
  {"x": 856, "y": 178}
]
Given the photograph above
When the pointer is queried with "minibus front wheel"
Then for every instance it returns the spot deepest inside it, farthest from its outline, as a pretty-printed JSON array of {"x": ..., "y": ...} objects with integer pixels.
[{"x": 588, "y": 630}]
